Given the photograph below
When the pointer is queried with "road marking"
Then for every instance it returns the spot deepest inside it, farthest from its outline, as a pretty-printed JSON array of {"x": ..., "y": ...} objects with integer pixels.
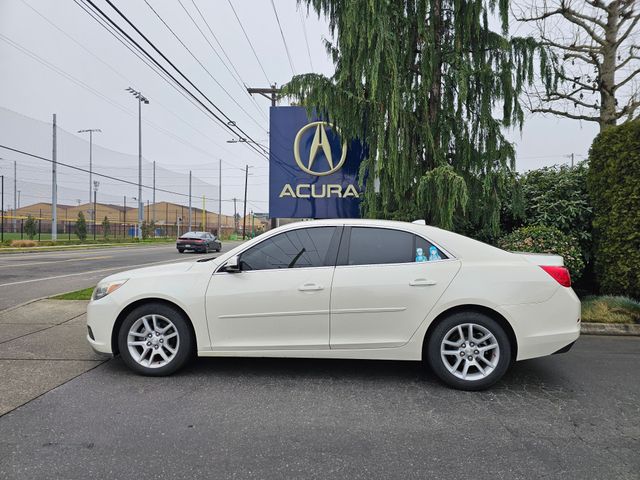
[
  {"x": 129, "y": 267},
  {"x": 55, "y": 261},
  {"x": 81, "y": 251}
]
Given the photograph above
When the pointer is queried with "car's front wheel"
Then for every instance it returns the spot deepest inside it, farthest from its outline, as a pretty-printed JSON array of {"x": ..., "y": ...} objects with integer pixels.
[
  {"x": 155, "y": 339},
  {"x": 469, "y": 351}
]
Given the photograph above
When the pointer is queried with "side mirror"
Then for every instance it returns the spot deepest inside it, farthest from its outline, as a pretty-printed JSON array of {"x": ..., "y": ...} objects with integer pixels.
[{"x": 232, "y": 265}]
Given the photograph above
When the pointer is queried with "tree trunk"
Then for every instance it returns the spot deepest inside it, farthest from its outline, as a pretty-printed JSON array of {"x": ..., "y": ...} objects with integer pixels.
[{"x": 608, "y": 69}]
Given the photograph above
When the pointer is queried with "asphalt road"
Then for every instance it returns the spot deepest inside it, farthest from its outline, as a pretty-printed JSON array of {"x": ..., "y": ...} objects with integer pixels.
[
  {"x": 571, "y": 416},
  {"x": 27, "y": 276}
]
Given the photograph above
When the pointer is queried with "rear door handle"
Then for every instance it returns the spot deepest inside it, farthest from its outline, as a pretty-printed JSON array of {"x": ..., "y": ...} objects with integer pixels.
[
  {"x": 422, "y": 282},
  {"x": 310, "y": 287}
]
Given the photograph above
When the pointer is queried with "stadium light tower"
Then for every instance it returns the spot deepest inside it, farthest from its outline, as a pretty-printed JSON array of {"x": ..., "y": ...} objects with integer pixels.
[{"x": 141, "y": 99}]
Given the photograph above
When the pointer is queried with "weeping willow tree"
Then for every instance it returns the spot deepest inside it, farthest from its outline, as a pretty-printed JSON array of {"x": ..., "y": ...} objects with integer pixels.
[{"x": 428, "y": 87}]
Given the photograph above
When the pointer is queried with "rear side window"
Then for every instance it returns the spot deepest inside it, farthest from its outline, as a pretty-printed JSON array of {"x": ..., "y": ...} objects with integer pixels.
[
  {"x": 373, "y": 246},
  {"x": 302, "y": 248}
]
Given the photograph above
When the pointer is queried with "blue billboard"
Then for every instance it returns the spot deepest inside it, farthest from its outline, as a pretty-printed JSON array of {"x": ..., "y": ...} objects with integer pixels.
[{"x": 312, "y": 170}]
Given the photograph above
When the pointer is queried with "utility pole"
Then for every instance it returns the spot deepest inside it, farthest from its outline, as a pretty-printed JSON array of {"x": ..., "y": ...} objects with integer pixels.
[
  {"x": 272, "y": 94},
  {"x": 141, "y": 99},
  {"x": 219, "y": 197},
  {"x": 204, "y": 215},
  {"x": 235, "y": 217},
  {"x": 15, "y": 201},
  {"x": 96, "y": 184},
  {"x": 153, "y": 217},
  {"x": 54, "y": 185},
  {"x": 90, "y": 131},
  {"x": 244, "y": 215},
  {"x": 124, "y": 215},
  {"x": 189, "y": 200},
  {"x": 2, "y": 211}
]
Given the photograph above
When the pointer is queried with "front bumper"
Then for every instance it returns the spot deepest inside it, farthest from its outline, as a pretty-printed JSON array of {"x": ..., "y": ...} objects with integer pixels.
[{"x": 101, "y": 317}]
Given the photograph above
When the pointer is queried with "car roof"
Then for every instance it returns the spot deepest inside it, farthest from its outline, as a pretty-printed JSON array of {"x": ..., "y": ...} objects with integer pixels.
[{"x": 458, "y": 245}]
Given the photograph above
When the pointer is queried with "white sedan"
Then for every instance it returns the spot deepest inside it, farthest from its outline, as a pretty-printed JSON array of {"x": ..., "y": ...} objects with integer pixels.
[{"x": 358, "y": 289}]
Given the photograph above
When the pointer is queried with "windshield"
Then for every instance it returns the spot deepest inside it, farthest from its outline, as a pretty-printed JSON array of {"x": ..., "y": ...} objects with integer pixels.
[{"x": 193, "y": 235}]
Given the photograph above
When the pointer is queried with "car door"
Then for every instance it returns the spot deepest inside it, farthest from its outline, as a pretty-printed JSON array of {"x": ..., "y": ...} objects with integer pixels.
[
  {"x": 280, "y": 298},
  {"x": 381, "y": 293}
]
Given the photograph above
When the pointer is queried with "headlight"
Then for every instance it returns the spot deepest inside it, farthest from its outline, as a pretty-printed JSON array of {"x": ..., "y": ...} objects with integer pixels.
[{"x": 104, "y": 289}]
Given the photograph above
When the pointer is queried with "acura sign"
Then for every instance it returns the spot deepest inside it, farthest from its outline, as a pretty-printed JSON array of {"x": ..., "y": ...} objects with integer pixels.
[{"x": 313, "y": 170}]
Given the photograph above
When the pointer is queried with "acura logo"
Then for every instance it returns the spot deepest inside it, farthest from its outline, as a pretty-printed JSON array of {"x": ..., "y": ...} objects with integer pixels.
[{"x": 319, "y": 146}]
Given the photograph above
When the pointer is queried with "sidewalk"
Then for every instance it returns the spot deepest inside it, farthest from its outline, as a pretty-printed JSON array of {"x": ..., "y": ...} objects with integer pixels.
[{"x": 42, "y": 346}]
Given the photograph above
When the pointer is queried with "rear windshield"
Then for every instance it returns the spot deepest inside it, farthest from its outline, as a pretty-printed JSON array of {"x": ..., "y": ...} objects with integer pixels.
[{"x": 193, "y": 235}]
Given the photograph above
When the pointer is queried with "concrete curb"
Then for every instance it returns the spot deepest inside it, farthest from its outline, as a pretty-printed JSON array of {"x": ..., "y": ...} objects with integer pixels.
[{"x": 625, "y": 329}]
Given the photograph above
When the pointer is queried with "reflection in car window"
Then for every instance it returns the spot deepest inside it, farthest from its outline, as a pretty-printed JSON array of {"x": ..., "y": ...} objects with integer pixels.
[
  {"x": 306, "y": 247},
  {"x": 373, "y": 246}
]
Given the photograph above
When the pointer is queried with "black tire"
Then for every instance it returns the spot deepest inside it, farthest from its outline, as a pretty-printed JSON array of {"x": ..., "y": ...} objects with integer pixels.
[
  {"x": 185, "y": 348},
  {"x": 437, "y": 363},
  {"x": 181, "y": 250}
]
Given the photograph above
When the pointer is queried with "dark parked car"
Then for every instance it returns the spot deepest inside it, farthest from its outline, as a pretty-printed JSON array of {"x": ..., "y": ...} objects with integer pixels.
[{"x": 198, "y": 242}]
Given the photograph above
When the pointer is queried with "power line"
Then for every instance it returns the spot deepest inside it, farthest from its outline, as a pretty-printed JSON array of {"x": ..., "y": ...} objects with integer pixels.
[
  {"x": 110, "y": 177},
  {"x": 286, "y": 47},
  {"x": 237, "y": 78},
  {"x": 306, "y": 39},
  {"x": 228, "y": 124},
  {"x": 95, "y": 92},
  {"x": 177, "y": 37},
  {"x": 249, "y": 41}
]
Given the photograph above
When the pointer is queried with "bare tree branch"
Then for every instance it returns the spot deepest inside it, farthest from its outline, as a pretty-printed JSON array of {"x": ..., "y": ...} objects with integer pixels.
[
  {"x": 565, "y": 114},
  {"x": 628, "y": 31},
  {"x": 633, "y": 74}
]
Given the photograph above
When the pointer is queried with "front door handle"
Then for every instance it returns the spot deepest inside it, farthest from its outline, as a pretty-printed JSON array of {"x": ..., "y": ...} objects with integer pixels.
[
  {"x": 422, "y": 282},
  {"x": 310, "y": 287}
]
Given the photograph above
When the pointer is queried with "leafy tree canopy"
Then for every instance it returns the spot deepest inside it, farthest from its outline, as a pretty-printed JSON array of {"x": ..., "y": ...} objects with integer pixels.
[{"x": 428, "y": 87}]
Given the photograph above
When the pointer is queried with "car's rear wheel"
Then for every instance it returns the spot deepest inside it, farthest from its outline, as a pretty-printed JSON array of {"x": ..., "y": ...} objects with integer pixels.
[
  {"x": 181, "y": 250},
  {"x": 469, "y": 351},
  {"x": 155, "y": 339}
]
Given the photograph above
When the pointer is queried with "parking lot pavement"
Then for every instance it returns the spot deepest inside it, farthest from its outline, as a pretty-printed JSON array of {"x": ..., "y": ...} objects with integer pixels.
[{"x": 571, "y": 416}]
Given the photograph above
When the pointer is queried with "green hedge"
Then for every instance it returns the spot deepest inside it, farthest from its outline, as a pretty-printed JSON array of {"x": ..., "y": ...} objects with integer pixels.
[
  {"x": 540, "y": 239},
  {"x": 614, "y": 187}
]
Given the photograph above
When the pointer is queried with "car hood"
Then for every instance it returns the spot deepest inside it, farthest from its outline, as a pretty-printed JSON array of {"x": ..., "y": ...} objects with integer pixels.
[{"x": 154, "y": 271}]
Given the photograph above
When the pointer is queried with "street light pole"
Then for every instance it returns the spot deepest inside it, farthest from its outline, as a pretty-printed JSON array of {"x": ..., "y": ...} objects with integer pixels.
[
  {"x": 90, "y": 131},
  {"x": 141, "y": 99}
]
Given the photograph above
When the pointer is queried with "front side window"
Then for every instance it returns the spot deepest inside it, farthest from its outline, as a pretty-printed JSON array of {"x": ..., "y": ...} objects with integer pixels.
[
  {"x": 302, "y": 248},
  {"x": 373, "y": 246}
]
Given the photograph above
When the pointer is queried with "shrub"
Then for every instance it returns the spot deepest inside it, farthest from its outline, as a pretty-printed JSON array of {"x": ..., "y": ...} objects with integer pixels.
[
  {"x": 106, "y": 227},
  {"x": 30, "y": 229},
  {"x": 614, "y": 187},
  {"x": 610, "y": 309},
  {"x": 81, "y": 227},
  {"x": 23, "y": 243},
  {"x": 557, "y": 197},
  {"x": 540, "y": 239}
]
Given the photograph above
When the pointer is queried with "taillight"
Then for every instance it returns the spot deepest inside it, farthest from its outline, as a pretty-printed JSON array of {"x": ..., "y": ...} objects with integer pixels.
[{"x": 560, "y": 274}]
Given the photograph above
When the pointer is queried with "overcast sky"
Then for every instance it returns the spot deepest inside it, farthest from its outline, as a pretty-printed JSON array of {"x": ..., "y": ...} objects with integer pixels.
[{"x": 92, "y": 70}]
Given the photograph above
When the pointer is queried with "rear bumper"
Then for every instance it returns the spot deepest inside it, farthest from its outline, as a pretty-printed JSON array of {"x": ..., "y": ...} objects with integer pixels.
[{"x": 547, "y": 327}]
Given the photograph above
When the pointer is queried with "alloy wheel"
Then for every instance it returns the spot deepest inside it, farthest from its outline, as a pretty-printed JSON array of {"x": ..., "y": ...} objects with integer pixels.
[
  {"x": 153, "y": 341},
  {"x": 470, "y": 351}
]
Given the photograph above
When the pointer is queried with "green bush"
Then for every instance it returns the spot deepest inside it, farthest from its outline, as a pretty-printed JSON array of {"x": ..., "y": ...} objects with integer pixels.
[
  {"x": 540, "y": 239},
  {"x": 30, "y": 229},
  {"x": 614, "y": 188},
  {"x": 557, "y": 197},
  {"x": 81, "y": 227}
]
